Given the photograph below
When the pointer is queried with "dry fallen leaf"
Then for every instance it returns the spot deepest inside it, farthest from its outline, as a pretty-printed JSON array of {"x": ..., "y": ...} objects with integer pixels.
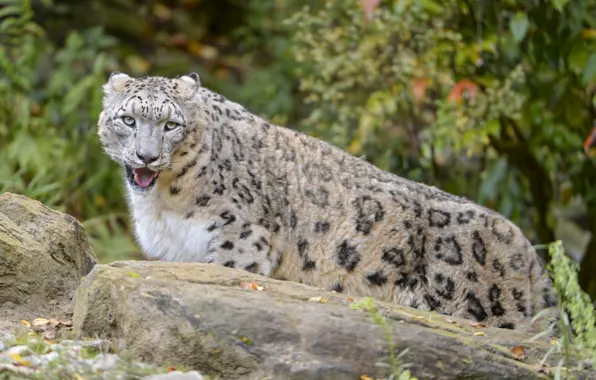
[
  {"x": 39, "y": 324},
  {"x": 42, "y": 322},
  {"x": 542, "y": 367},
  {"x": 49, "y": 327},
  {"x": 450, "y": 320},
  {"x": 519, "y": 353},
  {"x": 317, "y": 299},
  {"x": 350, "y": 299},
  {"x": 171, "y": 369},
  {"x": 19, "y": 360},
  {"x": 63, "y": 322},
  {"x": 365, "y": 377},
  {"x": 251, "y": 285},
  {"x": 26, "y": 323},
  {"x": 479, "y": 333}
]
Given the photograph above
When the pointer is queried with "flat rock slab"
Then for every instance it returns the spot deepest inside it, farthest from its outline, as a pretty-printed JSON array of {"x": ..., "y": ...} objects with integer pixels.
[
  {"x": 202, "y": 317},
  {"x": 43, "y": 256}
]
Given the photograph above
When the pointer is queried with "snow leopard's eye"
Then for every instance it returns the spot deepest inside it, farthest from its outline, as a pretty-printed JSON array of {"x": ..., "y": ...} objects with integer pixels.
[
  {"x": 128, "y": 120},
  {"x": 171, "y": 125}
]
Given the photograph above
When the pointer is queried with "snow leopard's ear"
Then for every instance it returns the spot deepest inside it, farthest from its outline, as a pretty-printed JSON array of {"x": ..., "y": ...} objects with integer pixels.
[
  {"x": 188, "y": 85},
  {"x": 116, "y": 83}
]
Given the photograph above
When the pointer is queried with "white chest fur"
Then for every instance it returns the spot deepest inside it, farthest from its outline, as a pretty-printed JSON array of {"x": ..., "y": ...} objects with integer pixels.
[{"x": 167, "y": 235}]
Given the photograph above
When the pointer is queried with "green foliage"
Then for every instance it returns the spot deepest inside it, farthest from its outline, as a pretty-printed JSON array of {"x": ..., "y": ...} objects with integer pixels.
[
  {"x": 518, "y": 26},
  {"x": 50, "y": 99},
  {"x": 399, "y": 370},
  {"x": 266, "y": 87},
  {"x": 576, "y": 309}
]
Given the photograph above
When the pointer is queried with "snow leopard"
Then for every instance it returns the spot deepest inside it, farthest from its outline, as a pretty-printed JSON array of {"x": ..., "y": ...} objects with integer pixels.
[{"x": 208, "y": 181}]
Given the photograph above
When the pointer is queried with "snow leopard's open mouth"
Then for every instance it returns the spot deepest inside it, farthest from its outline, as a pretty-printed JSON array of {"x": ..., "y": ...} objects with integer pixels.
[{"x": 141, "y": 178}]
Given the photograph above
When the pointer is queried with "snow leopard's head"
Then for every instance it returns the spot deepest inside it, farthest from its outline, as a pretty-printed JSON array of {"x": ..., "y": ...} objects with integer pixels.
[{"x": 144, "y": 121}]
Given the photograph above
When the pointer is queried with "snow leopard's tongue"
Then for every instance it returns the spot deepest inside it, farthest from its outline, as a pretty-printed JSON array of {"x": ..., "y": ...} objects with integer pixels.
[{"x": 144, "y": 176}]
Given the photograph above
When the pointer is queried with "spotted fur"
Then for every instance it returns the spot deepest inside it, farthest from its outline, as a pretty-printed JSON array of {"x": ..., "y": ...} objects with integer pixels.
[{"x": 234, "y": 190}]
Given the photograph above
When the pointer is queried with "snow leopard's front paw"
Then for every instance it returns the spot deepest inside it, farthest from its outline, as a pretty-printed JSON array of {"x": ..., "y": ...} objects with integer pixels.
[{"x": 246, "y": 247}]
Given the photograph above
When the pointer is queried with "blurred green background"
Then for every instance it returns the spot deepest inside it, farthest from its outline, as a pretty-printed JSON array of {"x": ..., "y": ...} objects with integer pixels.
[{"x": 488, "y": 99}]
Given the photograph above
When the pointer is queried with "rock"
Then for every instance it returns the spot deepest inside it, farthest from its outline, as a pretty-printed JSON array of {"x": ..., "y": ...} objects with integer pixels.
[
  {"x": 175, "y": 375},
  {"x": 46, "y": 358},
  {"x": 5, "y": 336},
  {"x": 201, "y": 317},
  {"x": 16, "y": 370},
  {"x": 43, "y": 255},
  {"x": 97, "y": 344},
  {"x": 105, "y": 362}
]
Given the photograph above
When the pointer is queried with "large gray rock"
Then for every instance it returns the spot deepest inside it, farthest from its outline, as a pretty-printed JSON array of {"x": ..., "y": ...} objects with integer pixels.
[
  {"x": 199, "y": 316},
  {"x": 43, "y": 256}
]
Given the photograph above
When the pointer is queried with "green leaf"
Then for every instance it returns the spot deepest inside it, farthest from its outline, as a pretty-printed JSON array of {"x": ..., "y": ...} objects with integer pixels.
[
  {"x": 577, "y": 58},
  {"x": 11, "y": 10},
  {"x": 245, "y": 340},
  {"x": 76, "y": 95},
  {"x": 559, "y": 4},
  {"x": 589, "y": 70},
  {"x": 7, "y": 24},
  {"x": 518, "y": 26}
]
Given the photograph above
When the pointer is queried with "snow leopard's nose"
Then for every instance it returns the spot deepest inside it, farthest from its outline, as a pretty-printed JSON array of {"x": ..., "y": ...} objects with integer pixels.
[{"x": 146, "y": 158}]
